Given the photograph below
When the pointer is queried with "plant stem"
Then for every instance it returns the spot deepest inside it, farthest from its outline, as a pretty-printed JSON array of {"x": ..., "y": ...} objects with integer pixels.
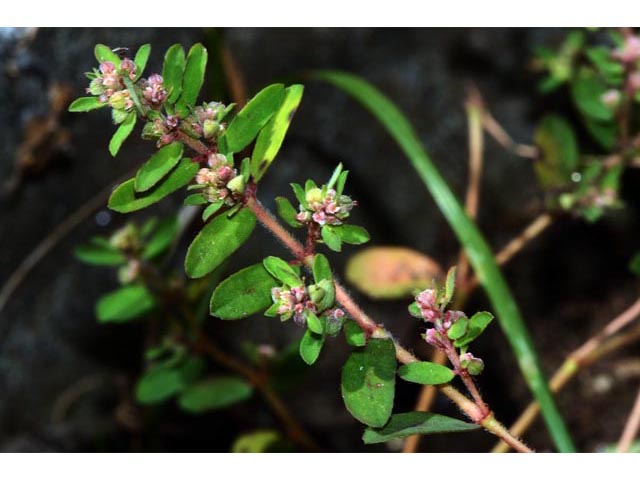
[
  {"x": 473, "y": 411},
  {"x": 631, "y": 428},
  {"x": 592, "y": 350}
]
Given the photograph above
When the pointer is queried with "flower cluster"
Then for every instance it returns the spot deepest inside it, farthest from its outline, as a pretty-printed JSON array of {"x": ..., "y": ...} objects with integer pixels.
[
  {"x": 206, "y": 121},
  {"x": 153, "y": 90},
  {"x": 220, "y": 181},
  {"x": 293, "y": 302},
  {"x": 325, "y": 207}
]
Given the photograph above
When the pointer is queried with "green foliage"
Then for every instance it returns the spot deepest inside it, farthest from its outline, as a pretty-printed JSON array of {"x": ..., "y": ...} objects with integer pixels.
[
  {"x": 477, "y": 324},
  {"x": 314, "y": 324},
  {"x": 105, "y": 54},
  {"x": 351, "y": 234},
  {"x": 449, "y": 286},
  {"x": 458, "y": 329},
  {"x": 214, "y": 394},
  {"x": 282, "y": 271},
  {"x": 403, "y": 425},
  {"x": 426, "y": 373},
  {"x": 368, "y": 382},
  {"x": 331, "y": 238},
  {"x": 162, "y": 238},
  {"x": 122, "y": 133},
  {"x": 353, "y": 334},
  {"x": 557, "y": 143},
  {"x": 158, "y": 166},
  {"x": 252, "y": 118},
  {"x": 242, "y": 294},
  {"x": 287, "y": 212},
  {"x": 99, "y": 252},
  {"x": 141, "y": 58},
  {"x": 272, "y": 135},
  {"x": 217, "y": 241},
  {"x": 124, "y": 199},
  {"x": 193, "y": 78},
  {"x": 321, "y": 269},
  {"x": 480, "y": 255},
  {"x": 86, "y": 104},
  {"x": 634, "y": 264},
  {"x": 172, "y": 72},
  {"x": 159, "y": 385},
  {"x": 587, "y": 90},
  {"x": 125, "y": 304},
  {"x": 310, "y": 346},
  {"x": 260, "y": 441}
]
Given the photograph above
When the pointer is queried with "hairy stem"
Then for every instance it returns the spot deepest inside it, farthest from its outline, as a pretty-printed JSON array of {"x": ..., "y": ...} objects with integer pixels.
[{"x": 473, "y": 411}]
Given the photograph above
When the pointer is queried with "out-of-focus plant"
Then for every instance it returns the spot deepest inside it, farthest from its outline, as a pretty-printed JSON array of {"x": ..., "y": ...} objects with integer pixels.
[{"x": 204, "y": 149}]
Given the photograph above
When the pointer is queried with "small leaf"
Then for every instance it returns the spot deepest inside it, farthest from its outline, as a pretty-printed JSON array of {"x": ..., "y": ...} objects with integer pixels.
[
  {"x": 477, "y": 325},
  {"x": 331, "y": 238},
  {"x": 314, "y": 324},
  {"x": 244, "y": 293},
  {"x": 195, "y": 199},
  {"x": 272, "y": 135},
  {"x": 86, "y": 104},
  {"x": 587, "y": 90},
  {"x": 124, "y": 198},
  {"x": 300, "y": 195},
  {"x": 321, "y": 269},
  {"x": 172, "y": 72},
  {"x": 141, "y": 58},
  {"x": 353, "y": 334},
  {"x": 335, "y": 176},
  {"x": 604, "y": 133},
  {"x": 99, "y": 253},
  {"x": 162, "y": 238},
  {"x": 158, "y": 385},
  {"x": 402, "y": 425},
  {"x": 391, "y": 272},
  {"x": 557, "y": 142},
  {"x": 342, "y": 179},
  {"x": 253, "y": 117},
  {"x": 287, "y": 212},
  {"x": 158, "y": 166},
  {"x": 216, "y": 241},
  {"x": 352, "y": 234},
  {"x": 310, "y": 347},
  {"x": 214, "y": 394},
  {"x": 458, "y": 329},
  {"x": 450, "y": 286},
  {"x": 105, "y": 54},
  {"x": 124, "y": 304},
  {"x": 193, "y": 78},
  {"x": 368, "y": 382},
  {"x": 426, "y": 373},
  {"x": 260, "y": 441},
  {"x": 211, "y": 209},
  {"x": 282, "y": 271},
  {"x": 123, "y": 131}
]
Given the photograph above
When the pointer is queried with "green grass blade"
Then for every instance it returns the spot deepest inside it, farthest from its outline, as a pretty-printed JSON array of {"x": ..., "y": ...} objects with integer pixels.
[{"x": 480, "y": 255}]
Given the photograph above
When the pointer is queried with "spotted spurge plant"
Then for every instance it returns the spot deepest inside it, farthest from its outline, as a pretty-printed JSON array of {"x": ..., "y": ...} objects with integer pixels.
[{"x": 218, "y": 156}]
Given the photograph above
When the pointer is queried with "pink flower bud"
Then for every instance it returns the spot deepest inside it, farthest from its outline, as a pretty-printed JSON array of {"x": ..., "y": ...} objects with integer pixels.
[
  {"x": 217, "y": 159},
  {"x": 203, "y": 176},
  {"x": 610, "y": 98},
  {"x": 630, "y": 51},
  {"x": 433, "y": 338},
  {"x": 127, "y": 65},
  {"x": 319, "y": 217}
]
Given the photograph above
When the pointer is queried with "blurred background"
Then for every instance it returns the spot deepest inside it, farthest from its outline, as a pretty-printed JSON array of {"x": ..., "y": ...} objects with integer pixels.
[{"x": 66, "y": 382}]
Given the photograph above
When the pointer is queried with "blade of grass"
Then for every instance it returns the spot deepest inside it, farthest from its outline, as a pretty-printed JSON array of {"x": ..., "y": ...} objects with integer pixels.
[{"x": 477, "y": 249}]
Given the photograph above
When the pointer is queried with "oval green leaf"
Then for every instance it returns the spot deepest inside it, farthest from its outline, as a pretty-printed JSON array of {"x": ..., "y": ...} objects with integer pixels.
[
  {"x": 158, "y": 385},
  {"x": 217, "y": 240},
  {"x": 282, "y": 271},
  {"x": 141, "y": 58},
  {"x": 99, "y": 253},
  {"x": 172, "y": 72},
  {"x": 426, "y": 373},
  {"x": 124, "y": 304},
  {"x": 415, "y": 423},
  {"x": 105, "y": 54},
  {"x": 353, "y": 334},
  {"x": 193, "y": 77},
  {"x": 310, "y": 347},
  {"x": 352, "y": 234},
  {"x": 321, "y": 269},
  {"x": 214, "y": 394},
  {"x": 122, "y": 133},
  {"x": 158, "y": 166},
  {"x": 244, "y": 293},
  {"x": 368, "y": 382},
  {"x": 86, "y": 104}
]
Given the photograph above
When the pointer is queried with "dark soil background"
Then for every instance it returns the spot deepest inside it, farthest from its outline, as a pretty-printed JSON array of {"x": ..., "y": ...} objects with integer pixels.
[{"x": 65, "y": 381}]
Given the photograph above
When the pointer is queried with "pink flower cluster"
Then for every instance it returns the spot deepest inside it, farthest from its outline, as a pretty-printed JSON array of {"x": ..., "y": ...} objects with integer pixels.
[
  {"x": 327, "y": 209},
  {"x": 630, "y": 50},
  {"x": 153, "y": 90},
  {"x": 293, "y": 303},
  {"x": 215, "y": 179},
  {"x": 106, "y": 82}
]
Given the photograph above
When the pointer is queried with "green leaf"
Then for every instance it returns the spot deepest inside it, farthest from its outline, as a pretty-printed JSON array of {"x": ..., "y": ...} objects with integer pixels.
[
  {"x": 99, "y": 253},
  {"x": 331, "y": 238},
  {"x": 449, "y": 286},
  {"x": 287, "y": 212},
  {"x": 604, "y": 133},
  {"x": 86, "y": 104},
  {"x": 426, "y": 373},
  {"x": 244, "y": 293},
  {"x": 172, "y": 72},
  {"x": 403, "y": 425},
  {"x": 193, "y": 78},
  {"x": 158, "y": 385},
  {"x": 105, "y": 54},
  {"x": 477, "y": 325},
  {"x": 559, "y": 147},
  {"x": 272, "y": 135},
  {"x": 260, "y": 441},
  {"x": 353, "y": 334},
  {"x": 634, "y": 264},
  {"x": 195, "y": 199},
  {"x": 480, "y": 255},
  {"x": 216, "y": 241},
  {"x": 162, "y": 238},
  {"x": 335, "y": 176},
  {"x": 214, "y": 394},
  {"x": 124, "y": 304},
  {"x": 211, "y": 209},
  {"x": 458, "y": 329},
  {"x": 123, "y": 131},
  {"x": 282, "y": 271},
  {"x": 587, "y": 90},
  {"x": 255, "y": 115},
  {"x": 310, "y": 347},
  {"x": 321, "y": 269},
  {"x": 158, "y": 166},
  {"x": 314, "y": 324},
  {"x": 141, "y": 58},
  {"x": 352, "y": 234},
  {"x": 601, "y": 58},
  {"x": 368, "y": 382},
  {"x": 124, "y": 198}
]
